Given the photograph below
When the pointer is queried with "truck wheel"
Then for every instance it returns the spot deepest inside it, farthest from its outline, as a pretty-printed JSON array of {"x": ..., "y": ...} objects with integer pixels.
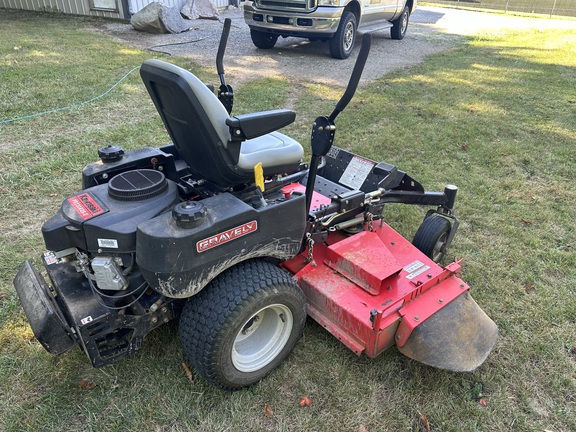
[
  {"x": 243, "y": 324},
  {"x": 342, "y": 43},
  {"x": 432, "y": 236},
  {"x": 263, "y": 40},
  {"x": 400, "y": 24}
]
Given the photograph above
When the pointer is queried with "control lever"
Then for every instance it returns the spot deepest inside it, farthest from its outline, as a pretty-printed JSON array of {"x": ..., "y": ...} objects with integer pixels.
[
  {"x": 324, "y": 129},
  {"x": 225, "y": 92}
]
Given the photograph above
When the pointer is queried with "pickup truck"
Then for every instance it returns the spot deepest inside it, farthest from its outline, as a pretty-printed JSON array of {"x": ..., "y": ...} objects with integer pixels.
[{"x": 335, "y": 21}]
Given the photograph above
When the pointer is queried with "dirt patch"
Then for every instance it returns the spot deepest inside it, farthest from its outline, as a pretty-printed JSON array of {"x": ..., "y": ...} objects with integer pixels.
[{"x": 431, "y": 30}]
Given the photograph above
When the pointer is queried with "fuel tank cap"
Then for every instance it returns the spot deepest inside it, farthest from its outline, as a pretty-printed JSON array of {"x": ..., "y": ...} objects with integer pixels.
[
  {"x": 189, "y": 214},
  {"x": 110, "y": 153}
]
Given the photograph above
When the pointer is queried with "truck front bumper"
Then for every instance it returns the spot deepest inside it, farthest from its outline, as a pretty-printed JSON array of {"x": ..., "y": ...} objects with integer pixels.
[{"x": 321, "y": 23}]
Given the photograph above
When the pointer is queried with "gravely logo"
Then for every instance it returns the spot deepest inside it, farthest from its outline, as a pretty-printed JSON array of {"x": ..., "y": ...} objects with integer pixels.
[
  {"x": 226, "y": 236},
  {"x": 85, "y": 206}
]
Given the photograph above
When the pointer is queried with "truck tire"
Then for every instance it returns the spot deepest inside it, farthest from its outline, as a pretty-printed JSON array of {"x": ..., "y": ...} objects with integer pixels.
[
  {"x": 400, "y": 25},
  {"x": 342, "y": 43},
  {"x": 243, "y": 324},
  {"x": 263, "y": 40},
  {"x": 431, "y": 237}
]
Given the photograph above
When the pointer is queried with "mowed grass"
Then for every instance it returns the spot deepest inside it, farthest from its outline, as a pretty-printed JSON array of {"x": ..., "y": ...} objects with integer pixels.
[{"x": 496, "y": 116}]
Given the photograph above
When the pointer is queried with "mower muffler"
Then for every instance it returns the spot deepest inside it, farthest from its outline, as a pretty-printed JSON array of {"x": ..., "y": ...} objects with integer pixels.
[{"x": 457, "y": 337}]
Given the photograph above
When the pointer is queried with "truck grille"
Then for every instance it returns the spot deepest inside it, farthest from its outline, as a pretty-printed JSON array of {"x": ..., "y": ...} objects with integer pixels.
[{"x": 296, "y": 5}]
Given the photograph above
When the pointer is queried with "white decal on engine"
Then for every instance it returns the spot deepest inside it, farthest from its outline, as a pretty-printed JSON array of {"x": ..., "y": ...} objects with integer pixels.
[
  {"x": 356, "y": 172},
  {"x": 50, "y": 258},
  {"x": 108, "y": 243},
  {"x": 86, "y": 320}
]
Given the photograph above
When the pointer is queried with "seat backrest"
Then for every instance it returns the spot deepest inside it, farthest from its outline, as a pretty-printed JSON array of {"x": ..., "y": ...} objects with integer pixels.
[{"x": 195, "y": 120}]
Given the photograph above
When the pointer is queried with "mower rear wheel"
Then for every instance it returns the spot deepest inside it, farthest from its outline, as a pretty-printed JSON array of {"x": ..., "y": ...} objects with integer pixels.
[
  {"x": 431, "y": 237},
  {"x": 243, "y": 324}
]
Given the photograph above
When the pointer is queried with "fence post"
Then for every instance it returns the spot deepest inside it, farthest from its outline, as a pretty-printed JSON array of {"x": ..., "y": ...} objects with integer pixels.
[
  {"x": 553, "y": 7},
  {"x": 506, "y": 8}
]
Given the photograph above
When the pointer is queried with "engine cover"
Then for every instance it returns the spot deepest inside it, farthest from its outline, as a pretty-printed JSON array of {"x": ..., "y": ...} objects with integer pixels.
[{"x": 105, "y": 217}]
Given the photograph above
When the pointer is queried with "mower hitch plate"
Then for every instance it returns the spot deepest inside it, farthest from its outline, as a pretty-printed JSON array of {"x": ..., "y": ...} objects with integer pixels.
[{"x": 412, "y": 302}]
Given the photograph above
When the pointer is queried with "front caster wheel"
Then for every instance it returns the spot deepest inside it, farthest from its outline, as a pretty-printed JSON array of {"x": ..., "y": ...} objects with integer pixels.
[
  {"x": 243, "y": 324},
  {"x": 432, "y": 236}
]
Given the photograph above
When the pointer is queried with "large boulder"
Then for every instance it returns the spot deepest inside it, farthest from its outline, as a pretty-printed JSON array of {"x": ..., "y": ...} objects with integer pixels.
[
  {"x": 200, "y": 9},
  {"x": 187, "y": 10},
  {"x": 148, "y": 19},
  {"x": 159, "y": 18},
  {"x": 172, "y": 20}
]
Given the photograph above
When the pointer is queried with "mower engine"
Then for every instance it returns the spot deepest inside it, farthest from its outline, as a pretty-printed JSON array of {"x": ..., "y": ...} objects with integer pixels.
[{"x": 99, "y": 296}]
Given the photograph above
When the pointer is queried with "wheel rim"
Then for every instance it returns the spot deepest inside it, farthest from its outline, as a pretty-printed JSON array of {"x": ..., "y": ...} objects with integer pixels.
[
  {"x": 348, "y": 38},
  {"x": 262, "y": 338},
  {"x": 404, "y": 25},
  {"x": 437, "y": 253}
]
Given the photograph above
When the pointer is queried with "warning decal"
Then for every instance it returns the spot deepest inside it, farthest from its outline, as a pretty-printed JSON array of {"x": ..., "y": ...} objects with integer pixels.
[
  {"x": 356, "y": 172},
  {"x": 85, "y": 206},
  {"x": 415, "y": 268}
]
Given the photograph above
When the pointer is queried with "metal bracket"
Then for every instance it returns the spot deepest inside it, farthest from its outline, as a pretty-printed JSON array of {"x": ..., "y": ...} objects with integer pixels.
[{"x": 436, "y": 294}]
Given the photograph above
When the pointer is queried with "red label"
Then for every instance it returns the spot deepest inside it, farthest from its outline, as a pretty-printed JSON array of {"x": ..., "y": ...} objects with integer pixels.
[
  {"x": 85, "y": 206},
  {"x": 226, "y": 236}
]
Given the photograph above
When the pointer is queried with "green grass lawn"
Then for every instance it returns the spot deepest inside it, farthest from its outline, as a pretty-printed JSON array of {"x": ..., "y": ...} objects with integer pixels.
[
  {"x": 542, "y": 7},
  {"x": 496, "y": 115}
]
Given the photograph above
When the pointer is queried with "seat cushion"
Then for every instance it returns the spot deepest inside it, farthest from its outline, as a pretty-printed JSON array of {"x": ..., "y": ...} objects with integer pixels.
[{"x": 274, "y": 150}]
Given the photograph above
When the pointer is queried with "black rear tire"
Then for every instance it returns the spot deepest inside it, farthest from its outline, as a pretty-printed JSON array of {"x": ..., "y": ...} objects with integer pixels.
[
  {"x": 432, "y": 236},
  {"x": 400, "y": 25},
  {"x": 263, "y": 40},
  {"x": 342, "y": 43},
  {"x": 243, "y": 324}
]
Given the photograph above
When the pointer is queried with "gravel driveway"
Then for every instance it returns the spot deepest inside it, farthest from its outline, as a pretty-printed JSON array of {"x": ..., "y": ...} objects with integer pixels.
[{"x": 431, "y": 30}]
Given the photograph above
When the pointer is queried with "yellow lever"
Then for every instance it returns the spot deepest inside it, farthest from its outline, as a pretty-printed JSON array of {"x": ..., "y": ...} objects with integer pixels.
[{"x": 259, "y": 176}]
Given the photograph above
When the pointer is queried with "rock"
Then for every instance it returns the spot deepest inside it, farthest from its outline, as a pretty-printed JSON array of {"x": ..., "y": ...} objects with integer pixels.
[
  {"x": 203, "y": 9},
  {"x": 206, "y": 9},
  {"x": 148, "y": 19},
  {"x": 172, "y": 20},
  {"x": 187, "y": 11},
  {"x": 159, "y": 18}
]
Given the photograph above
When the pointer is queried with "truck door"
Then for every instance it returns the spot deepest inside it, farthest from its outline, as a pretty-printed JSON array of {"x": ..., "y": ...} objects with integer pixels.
[{"x": 375, "y": 11}]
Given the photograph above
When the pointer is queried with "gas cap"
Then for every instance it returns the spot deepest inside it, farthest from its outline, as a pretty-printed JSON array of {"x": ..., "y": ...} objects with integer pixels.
[
  {"x": 110, "y": 153},
  {"x": 189, "y": 214}
]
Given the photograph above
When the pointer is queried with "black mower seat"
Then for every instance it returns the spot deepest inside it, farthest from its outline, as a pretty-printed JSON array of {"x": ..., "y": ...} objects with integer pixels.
[{"x": 217, "y": 147}]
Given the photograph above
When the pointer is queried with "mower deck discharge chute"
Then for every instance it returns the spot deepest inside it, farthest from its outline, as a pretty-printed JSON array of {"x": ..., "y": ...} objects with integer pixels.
[
  {"x": 228, "y": 229},
  {"x": 458, "y": 337}
]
